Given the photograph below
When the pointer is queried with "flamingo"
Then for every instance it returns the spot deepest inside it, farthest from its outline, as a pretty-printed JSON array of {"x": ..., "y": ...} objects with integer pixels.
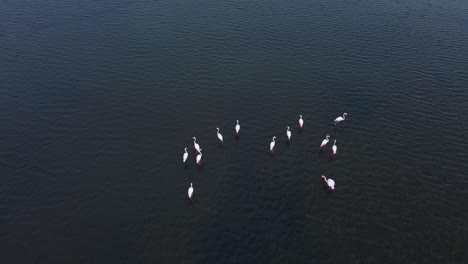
[
  {"x": 301, "y": 121},
  {"x": 289, "y": 134},
  {"x": 220, "y": 137},
  {"x": 330, "y": 182},
  {"x": 185, "y": 155},
  {"x": 190, "y": 191},
  {"x": 339, "y": 119},
  {"x": 334, "y": 148},
  {"x": 325, "y": 141},
  {"x": 272, "y": 144},
  {"x": 199, "y": 157},
  {"x": 195, "y": 145},
  {"x": 237, "y": 127}
]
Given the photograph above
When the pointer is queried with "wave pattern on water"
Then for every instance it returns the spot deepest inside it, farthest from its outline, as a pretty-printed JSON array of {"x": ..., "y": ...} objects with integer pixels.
[{"x": 99, "y": 100}]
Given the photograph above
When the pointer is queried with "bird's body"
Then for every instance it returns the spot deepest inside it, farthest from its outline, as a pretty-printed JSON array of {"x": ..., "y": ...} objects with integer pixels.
[
  {"x": 237, "y": 127},
  {"x": 325, "y": 141},
  {"x": 301, "y": 121},
  {"x": 199, "y": 156},
  {"x": 220, "y": 137},
  {"x": 272, "y": 144},
  {"x": 334, "y": 148},
  {"x": 195, "y": 145},
  {"x": 340, "y": 118},
  {"x": 185, "y": 155},
  {"x": 330, "y": 182},
  {"x": 190, "y": 191},
  {"x": 288, "y": 133}
]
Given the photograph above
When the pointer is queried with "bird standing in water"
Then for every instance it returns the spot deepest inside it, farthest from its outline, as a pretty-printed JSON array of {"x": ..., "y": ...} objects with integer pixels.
[
  {"x": 325, "y": 141},
  {"x": 199, "y": 157},
  {"x": 330, "y": 182},
  {"x": 272, "y": 144},
  {"x": 195, "y": 145},
  {"x": 237, "y": 127},
  {"x": 220, "y": 137},
  {"x": 185, "y": 155},
  {"x": 334, "y": 148},
  {"x": 340, "y": 118},
  {"x": 190, "y": 191}
]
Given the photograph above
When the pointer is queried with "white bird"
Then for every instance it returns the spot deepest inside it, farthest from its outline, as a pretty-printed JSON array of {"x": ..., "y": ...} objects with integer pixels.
[
  {"x": 301, "y": 121},
  {"x": 195, "y": 145},
  {"x": 334, "y": 148},
  {"x": 272, "y": 144},
  {"x": 185, "y": 155},
  {"x": 199, "y": 157},
  {"x": 190, "y": 191},
  {"x": 330, "y": 182},
  {"x": 340, "y": 118},
  {"x": 325, "y": 141},
  {"x": 237, "y": 127},
  {"x": 220, "y": 137},
  {"x": 289, "y": 134}
]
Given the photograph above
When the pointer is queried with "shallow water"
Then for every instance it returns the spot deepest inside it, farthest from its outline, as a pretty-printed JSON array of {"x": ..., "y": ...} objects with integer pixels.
[{"x": 100, "y": 98}]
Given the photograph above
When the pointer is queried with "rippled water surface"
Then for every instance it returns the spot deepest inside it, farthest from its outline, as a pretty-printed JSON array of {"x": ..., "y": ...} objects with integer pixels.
[{"x": 99, "y": 98}]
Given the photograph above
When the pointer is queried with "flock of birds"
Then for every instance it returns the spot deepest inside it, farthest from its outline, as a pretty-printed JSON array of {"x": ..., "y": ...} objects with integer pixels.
[{"x": 330, "y": 182}]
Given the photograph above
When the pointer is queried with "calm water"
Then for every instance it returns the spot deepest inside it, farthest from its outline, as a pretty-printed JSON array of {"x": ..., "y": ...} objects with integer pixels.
[{"x": 99, "y": 98}]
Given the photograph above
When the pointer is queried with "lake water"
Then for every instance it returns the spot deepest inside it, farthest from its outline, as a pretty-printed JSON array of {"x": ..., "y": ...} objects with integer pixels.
[{"x": 99, "y": 98}]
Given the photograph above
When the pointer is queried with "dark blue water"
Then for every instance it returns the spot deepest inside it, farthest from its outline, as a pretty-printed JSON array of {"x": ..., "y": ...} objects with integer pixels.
[{"x": 99, "y": 98}]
